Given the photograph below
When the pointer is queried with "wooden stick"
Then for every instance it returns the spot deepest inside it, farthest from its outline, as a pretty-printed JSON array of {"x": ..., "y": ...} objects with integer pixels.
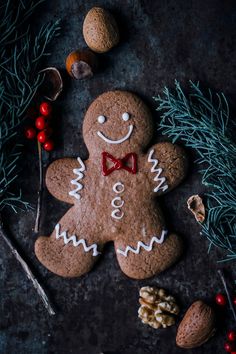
[
  {"x": 221, "y": 275},
  {"x": 40, "y": 190},
  {"x": 27, "y": 270}
]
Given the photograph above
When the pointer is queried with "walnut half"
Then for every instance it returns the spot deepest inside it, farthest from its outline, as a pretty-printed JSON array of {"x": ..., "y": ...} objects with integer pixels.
[{"x": 158, "y": 309}]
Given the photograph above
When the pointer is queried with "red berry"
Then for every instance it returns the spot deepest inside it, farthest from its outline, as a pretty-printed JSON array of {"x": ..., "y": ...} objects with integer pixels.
[
  {"x": 42, "y": 137},
  {"x": 220, "y": 299},
  {"x": 228, "y": 347},
  {"x": 49, "y": 145},
  {"x": 45, "y": 108},
  {"x": 233, "y": 353},
  {"x": 30, "y": 133},
  {"x": 40, "y": 123},
  {"x": 234, "y": 300},
  {"x": 231, "y": 335}
]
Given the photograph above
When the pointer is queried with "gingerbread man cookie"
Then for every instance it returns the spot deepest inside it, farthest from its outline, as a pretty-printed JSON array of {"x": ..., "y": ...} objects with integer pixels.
[{"x": 113, "y": 193}]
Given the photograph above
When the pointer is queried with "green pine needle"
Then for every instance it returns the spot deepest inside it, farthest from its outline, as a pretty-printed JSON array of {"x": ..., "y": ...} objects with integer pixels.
[
  {"x": 201, "y": 121},
  {"x": 20, "y": 57}
]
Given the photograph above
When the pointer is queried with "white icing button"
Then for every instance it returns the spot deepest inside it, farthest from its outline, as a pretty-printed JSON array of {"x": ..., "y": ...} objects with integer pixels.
[
  {"x": 117, "y": 214},
  {"x": 125, "y": 116},
  {"x": 119, "y": 204},
  {"x": 101, "y": 119},
  {"x": 118, "y": 187}
]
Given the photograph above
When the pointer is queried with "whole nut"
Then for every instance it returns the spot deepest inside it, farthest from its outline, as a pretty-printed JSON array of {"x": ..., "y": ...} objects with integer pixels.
[
  {"x": 81, "y": 64},
  {"x": 100, "y": 30},
  {"x": 197, "y": 326}
]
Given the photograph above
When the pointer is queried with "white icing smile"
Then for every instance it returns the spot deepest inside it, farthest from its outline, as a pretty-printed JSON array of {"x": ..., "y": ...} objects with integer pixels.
[{"x": 119, "y": 141}]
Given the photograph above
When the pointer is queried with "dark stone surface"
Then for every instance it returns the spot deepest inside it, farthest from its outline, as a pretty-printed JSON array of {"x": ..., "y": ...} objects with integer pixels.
[{"x": 161, "y": 41}]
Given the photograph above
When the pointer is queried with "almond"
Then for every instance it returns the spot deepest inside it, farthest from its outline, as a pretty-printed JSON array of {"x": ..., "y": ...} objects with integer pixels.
[
  {"x": 197, "y": 326},
  {"x": 100, "y": 30}
]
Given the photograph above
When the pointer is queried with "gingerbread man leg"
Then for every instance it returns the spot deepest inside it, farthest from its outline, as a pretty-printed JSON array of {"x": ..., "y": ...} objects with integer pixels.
[
  {"x": 67, "y": 252},
  {"x": 148, "y": 250}
]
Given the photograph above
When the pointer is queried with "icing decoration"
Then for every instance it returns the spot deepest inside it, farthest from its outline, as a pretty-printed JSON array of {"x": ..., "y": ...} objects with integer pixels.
[
  {"x": 119, "y": 164},
  {"x": 158, "y": 172},
  {"x": 120, "y": 186},
  {"x": 115, "y": 205},
  {"x": 119, "y": 141},
  {"x": 140, "y": 245},
  {"x": 115, "y": 214},
  {"x": 101, "y": 119},
  {"x": 76, "y": 242},
  {"x": 125, "y": 116},
  {"x": 79, "y": 173}
]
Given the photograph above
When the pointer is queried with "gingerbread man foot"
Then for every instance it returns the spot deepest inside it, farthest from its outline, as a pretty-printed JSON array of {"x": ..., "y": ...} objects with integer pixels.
[
  {"x": 149, "y": 258},
  {"x": 64, "y": 252}
]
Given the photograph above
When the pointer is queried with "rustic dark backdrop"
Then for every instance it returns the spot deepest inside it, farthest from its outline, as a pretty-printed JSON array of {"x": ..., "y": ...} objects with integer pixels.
[{"x": 161, "y": 41}]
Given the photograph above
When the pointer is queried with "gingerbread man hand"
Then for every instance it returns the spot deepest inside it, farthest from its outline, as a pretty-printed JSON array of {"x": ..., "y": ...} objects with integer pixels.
[{"x": 113, "y": 193}]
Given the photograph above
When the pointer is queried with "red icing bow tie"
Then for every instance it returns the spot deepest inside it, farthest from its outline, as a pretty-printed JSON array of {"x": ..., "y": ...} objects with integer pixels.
[{"x": 128, "y": 163}]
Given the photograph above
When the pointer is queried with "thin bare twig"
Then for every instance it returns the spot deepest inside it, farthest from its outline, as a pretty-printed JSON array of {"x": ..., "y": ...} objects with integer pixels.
[
  {"x": 27, "y": 270},
  {"x": 40, "y": 190},
  {"x": 227, "y": 292}
]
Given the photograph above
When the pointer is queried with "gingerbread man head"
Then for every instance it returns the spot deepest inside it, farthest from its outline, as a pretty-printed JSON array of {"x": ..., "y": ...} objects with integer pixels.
[
  {"x": 117, "y": 121},
  {"x": 113, "y": 193}
]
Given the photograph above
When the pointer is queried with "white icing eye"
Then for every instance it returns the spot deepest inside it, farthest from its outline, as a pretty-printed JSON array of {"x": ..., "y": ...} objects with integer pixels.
[
  {"x": 125, "y": 116},
  {"x": 101, "y": 119}
]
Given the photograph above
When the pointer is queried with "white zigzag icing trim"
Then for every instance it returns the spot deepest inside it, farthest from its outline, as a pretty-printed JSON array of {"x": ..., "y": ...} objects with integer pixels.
[
  {"x": 76, "y": 242},
  {"x": 142, "y": 245},
  {"x": 79, "y": 173},
  {"x": 158, "y": 172}
]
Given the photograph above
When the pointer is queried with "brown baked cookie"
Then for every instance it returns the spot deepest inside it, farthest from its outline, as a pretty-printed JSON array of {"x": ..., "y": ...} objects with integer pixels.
[{"x": 114, "y": 193}]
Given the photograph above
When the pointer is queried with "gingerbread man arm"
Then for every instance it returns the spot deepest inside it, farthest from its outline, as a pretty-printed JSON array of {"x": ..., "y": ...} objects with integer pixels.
[
  {"x": 166, "y": 166},
  {"x": 64, "y": 179}
]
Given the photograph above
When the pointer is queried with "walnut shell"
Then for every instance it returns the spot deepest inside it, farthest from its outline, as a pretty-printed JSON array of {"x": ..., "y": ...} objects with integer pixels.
[
  {"x": 100, "y": 30},
  {"x": 52, "y": 84},
  {"x": 197, "y": 326},
  {"x": 196, "y": 206}
]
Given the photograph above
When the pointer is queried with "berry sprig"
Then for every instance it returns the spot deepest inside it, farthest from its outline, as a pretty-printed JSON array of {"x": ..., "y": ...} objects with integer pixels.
[
  {"x": 223, "y": 300},
  {"x": 230, "y": 345},
  {"x": 43, "y": 129}
]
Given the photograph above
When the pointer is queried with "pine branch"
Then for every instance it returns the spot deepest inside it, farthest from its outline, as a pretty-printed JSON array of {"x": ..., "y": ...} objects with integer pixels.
[
  {"x": 21, "y": 54},
  {"x": 202, "y": 122},
  {"x": 20, "y": 57}
]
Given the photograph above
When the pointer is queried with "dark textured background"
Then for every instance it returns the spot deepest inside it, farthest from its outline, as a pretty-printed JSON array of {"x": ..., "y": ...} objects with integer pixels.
[{"x": 161, "y": 41}]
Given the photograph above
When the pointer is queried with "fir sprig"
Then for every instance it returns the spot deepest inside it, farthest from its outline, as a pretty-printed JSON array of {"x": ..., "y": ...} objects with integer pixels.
[
  {"x": 20, "y": 56},
  {"x": 201, "y": 120}
]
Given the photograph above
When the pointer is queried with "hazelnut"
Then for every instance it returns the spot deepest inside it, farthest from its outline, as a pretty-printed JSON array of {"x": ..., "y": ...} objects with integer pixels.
[
  {"x": 197, "y": 326},
  {"x": 81, "y": 64},
  {"x": 100, "y": 30}
]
